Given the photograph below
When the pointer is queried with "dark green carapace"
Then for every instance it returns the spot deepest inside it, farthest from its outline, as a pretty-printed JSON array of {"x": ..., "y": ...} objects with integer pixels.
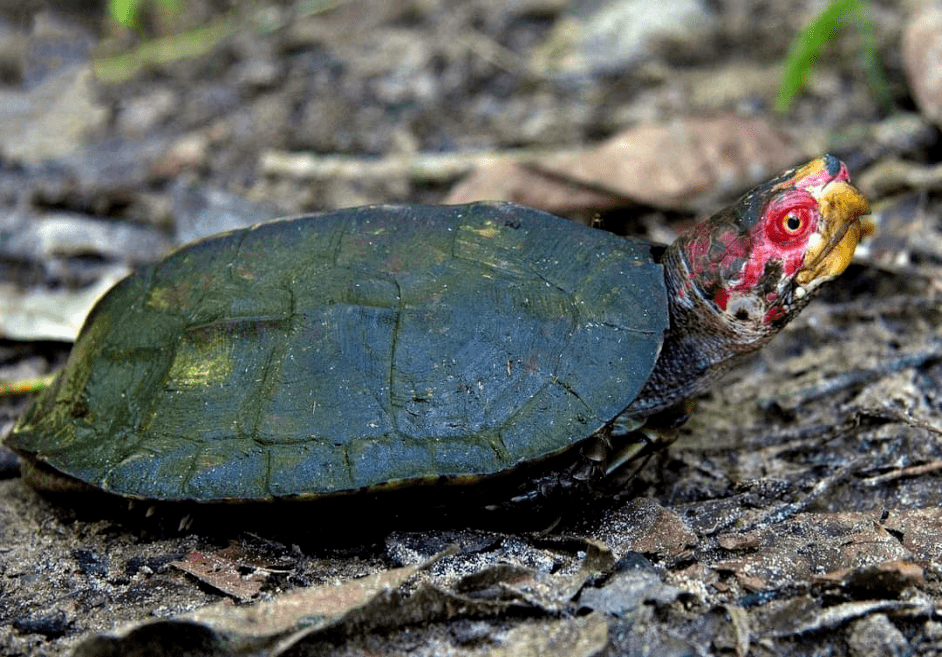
[{"x": 353, "y": 350}]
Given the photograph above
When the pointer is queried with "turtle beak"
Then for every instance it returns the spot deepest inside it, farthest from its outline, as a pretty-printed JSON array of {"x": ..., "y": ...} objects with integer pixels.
[{"x": 840, "y": 205}]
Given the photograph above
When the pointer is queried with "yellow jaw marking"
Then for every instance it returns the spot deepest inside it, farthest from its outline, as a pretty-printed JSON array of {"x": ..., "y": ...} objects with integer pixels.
[{"x": 840, "y": 205}]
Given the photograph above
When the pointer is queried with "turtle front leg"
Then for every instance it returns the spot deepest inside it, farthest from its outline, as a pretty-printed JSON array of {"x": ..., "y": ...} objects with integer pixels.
[{"x": 635, "y": 440}]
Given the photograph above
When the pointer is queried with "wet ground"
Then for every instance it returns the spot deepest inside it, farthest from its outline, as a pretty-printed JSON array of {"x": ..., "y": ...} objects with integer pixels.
[{"x": 799, "y": 512}]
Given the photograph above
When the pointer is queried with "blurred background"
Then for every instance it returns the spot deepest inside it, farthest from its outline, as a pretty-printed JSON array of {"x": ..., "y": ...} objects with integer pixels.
[
  {"x": 132, "y": 125},
  {"x": 127, "y": 128}
]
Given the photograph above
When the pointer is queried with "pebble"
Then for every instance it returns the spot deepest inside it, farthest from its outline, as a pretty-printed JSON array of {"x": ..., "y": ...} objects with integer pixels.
[
  {"x": 922, "y": 52},
  {"x": 876, "y": 636}
]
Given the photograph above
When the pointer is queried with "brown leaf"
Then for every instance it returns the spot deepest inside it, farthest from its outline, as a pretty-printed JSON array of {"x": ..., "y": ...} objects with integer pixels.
[
  {"x": 507, "y": 180},
  {"x": 644, "y": 526},
  {"x": 793, "y": 551},
  {"x": 817, "y": 620},
  {"x": 223, "y": 574},
  {"x": 272, "y": 626},
  {"x": 881, "y": 580},
  {"x": 921, "y": 529},
  {"x": 567, "y": 637},
  {"x": 682, "y": 164}
]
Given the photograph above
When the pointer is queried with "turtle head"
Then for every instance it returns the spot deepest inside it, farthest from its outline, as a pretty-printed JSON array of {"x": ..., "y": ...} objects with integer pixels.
[{"x": 758, "y": 262}]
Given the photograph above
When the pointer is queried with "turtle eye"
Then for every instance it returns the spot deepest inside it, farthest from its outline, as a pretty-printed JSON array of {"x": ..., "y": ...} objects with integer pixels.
[{"x": 791, "y": 219}]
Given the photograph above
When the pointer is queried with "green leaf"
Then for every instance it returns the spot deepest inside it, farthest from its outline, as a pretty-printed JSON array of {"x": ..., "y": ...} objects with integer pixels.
[
  {"x": 125, "y": 12},
  {"x": 808, "y": 44}
]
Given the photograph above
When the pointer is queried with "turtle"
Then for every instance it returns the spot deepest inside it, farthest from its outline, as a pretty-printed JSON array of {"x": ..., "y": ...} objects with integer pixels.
[{"x": 488, "y": 349}]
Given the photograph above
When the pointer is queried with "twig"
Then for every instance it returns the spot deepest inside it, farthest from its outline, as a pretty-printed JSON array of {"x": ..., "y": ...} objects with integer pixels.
[
  {"x": 424, "y": 167},
  {"x": 899, "y": 473},
  {"x": 783, "y": 512}
]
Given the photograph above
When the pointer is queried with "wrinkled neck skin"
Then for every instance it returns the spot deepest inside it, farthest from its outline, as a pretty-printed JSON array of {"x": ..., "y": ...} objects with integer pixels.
[{"x": 702, "y": 343}]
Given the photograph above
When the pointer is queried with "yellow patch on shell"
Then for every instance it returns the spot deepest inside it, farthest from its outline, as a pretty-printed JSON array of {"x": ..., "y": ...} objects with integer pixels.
[
  {"x": 204, "y": 357},
  {"x": 489, "y": 231},
  {"x": 160, "y": 298}
]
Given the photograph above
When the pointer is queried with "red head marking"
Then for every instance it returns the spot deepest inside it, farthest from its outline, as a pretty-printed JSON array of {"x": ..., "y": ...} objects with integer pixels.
[
  {"x": 781, "y": 235},
  {"x": 754, "y": 259}
]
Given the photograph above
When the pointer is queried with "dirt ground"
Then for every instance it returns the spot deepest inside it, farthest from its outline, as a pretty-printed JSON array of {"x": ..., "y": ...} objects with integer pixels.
[{"x": 798, "y": 513}]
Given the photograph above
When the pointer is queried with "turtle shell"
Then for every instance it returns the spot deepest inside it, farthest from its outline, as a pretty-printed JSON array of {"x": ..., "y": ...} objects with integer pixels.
[{"x": 353, "y": 350}]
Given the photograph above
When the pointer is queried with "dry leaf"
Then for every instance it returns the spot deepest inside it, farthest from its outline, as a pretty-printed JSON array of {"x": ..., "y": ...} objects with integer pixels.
[
  {"x": 223, "y": 574},
  {"x": 683, "y": 164},
  {"x": 645, "y": 526},
  {"x": 566, "y": 637},
  {"x": 515, "y": 181},
  {"x": 921, "y": 529},
  {"x": 268, "y": 627},
  {"x": 793, "y": 551}
]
